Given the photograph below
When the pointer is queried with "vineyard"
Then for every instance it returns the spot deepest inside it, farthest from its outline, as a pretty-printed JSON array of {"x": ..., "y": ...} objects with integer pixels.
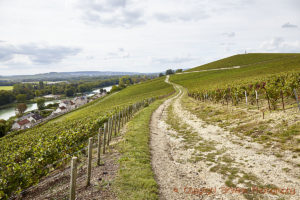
[
  {"x": 26, "y": 156},
  {"x": 252, "y": 60},
  {"x": 273, "y": 89}
]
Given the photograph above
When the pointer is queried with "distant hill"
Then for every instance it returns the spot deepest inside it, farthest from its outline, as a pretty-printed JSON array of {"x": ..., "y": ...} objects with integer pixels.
[
  {"x": 251, "y": 66},
  {"x": 251, "y": 59},
  {"x": 57, "y": 76}
]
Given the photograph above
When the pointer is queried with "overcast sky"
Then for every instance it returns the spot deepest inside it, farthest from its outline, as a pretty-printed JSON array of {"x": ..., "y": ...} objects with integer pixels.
[{"x": 39, "y": 36}]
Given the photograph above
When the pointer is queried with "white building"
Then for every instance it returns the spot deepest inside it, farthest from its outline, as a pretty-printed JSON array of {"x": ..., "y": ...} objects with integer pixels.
[
  {"x": 23, "y": 124},
  {"x": 79, "y": 101},
  {"x": 26, "y": 121},
  {"x": 60, "y": 109}
]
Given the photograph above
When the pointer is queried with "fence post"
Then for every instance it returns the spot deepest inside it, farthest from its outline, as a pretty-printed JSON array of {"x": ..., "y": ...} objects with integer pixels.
[
  {"x": 256, "y": 95},
  {"x": 116, "y": 123},
  {"x": 99, "y": 147},
  {"x": 108, "y": 131},
  {"x": 73, "y": 178},
  {"x": 119, "y": 122},
  {"x": 297, "y": 99},
  {"x": 121, "y": 118},
  {"x": 246, "y": 98},
  {"x": 104, "y": 137},
  {"x": 89, "y": 169}
]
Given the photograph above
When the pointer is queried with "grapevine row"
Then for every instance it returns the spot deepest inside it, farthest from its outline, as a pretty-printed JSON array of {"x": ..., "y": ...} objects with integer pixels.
[{"x": 274, "y": 89}]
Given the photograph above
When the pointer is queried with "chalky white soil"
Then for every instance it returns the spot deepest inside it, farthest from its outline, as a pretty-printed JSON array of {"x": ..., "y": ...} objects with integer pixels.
[{"x": 178, "y": 178}]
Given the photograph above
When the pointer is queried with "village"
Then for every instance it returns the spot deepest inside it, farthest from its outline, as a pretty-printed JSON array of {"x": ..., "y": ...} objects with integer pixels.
[{"x": 34, "y": 118}]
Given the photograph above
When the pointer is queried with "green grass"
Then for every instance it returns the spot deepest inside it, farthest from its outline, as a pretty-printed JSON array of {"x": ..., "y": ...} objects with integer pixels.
[
  {"x": 6, "y": 87},
  {"x": 247, "y": 59},
  {"x": 205, "y": 80},
  {"x": 135, "y": 179}
]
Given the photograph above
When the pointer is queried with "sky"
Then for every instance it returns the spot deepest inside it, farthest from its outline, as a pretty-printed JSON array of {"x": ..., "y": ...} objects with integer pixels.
[{"x": 140, "y": 35}]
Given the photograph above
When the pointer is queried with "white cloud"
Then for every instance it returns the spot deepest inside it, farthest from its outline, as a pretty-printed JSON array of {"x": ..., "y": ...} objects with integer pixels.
[
  {"x": 289, "y": 25},
  {"x": 278, "y": 45},
  {"x": 33, "y": 53},
  {"x": 145, "y": 36},
  {"x": 229, "y": 34}
]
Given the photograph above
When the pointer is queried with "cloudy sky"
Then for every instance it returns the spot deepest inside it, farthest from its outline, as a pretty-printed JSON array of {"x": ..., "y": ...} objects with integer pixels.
[{"x": 39, "y": 36}]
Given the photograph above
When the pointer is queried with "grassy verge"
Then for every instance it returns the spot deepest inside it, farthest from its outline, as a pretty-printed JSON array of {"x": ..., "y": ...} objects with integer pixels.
[{"x": 135, "y": 179}]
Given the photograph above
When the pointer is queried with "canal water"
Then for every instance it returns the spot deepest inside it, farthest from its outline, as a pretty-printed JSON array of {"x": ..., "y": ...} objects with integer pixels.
[{"x": 8, "y": 112}]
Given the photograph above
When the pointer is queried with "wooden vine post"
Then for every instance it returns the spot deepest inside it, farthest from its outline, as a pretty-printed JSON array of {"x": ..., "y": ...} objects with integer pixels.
[
  {"x": 104, "y": 137},
  {"x": 115, "y": 125},
  {"x": 256, "y": 95},
  {"x": 297, "y": 98},
  {"x": 122, "y": 117},
  {"x": 99, "y": 147},
  {"x": 119, "y": 122},
  {"x": 111, "y": 128},
  {"x": 246, "y": 98},
  {"x": 73, "y": 178},
  {"x": 89, "y": 169}
]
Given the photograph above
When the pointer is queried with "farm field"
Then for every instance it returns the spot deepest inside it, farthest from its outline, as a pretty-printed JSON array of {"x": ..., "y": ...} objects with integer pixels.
[
  {"x": 24, "y": 155},
  {"x": 6, "y": 87}
]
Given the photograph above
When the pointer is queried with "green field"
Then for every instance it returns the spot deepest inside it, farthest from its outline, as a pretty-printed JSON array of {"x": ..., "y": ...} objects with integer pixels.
[
  {"x": 24, "y": 155},
  {"x": 251, "y": 59},
  {"x": 6, "y": 87},
  {"x": 208, "y": 79}
]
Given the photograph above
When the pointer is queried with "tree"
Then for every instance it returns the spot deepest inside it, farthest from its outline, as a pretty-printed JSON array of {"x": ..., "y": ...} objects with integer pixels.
[
  {"x": 69, "y": 92},
  {"x": 21, "y": 97},
  {"x": 21, "y": 107},
  {"x": 114, "y": 88},
  {"x": 169, "y": 72},
  {"x": 54, "y": 91},
  {"x": 37, "y": 93},
  {"x": 41, "y": 84},
  {"x": 161, "y": 74},
  {"x": 40, "y": 103},
  {"x": 6, "y": 97},
  {"x": 178, "y": 70}
]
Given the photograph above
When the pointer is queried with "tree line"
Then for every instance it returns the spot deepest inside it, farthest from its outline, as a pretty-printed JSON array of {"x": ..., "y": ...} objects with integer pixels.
[{"x": 23, "y": 92}]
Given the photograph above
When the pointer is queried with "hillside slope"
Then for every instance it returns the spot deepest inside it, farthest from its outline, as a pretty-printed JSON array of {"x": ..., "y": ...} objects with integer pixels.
[
  {"x": 24, "y": 156},
  {"x": 207, "y": 79},
  {"x": 249, "y": 60}
]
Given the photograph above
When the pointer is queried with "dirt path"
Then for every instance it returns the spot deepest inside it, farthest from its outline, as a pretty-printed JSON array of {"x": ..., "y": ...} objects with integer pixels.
[{"x": 194, "y": 160}]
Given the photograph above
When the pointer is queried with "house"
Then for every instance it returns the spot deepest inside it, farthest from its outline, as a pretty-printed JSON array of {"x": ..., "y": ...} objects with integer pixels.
[
  {"x": 23, "y": 124},
  {"x": 52, "y": 96},
  {"x": 26, "y": 121},
  {"x": 37, "y": 117},
  {"x": 27, "y": 116},
  {"x": 79, "y": 101},
  {"x": 68, "y": 104},
  {"x": 60, "y": 109}
]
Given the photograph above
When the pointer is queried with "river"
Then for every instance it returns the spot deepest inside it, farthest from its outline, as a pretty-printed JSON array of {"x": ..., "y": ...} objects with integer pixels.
[{"x": 6, "y": 113}]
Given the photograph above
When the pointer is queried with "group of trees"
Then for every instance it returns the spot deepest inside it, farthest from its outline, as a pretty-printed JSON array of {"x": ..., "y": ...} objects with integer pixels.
[
  {"x": 4, "y": 127},
  {"x": 170, "y": 71},
  {"x": 25, "y": 91},
  {"x": 124, "y": 81}
]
